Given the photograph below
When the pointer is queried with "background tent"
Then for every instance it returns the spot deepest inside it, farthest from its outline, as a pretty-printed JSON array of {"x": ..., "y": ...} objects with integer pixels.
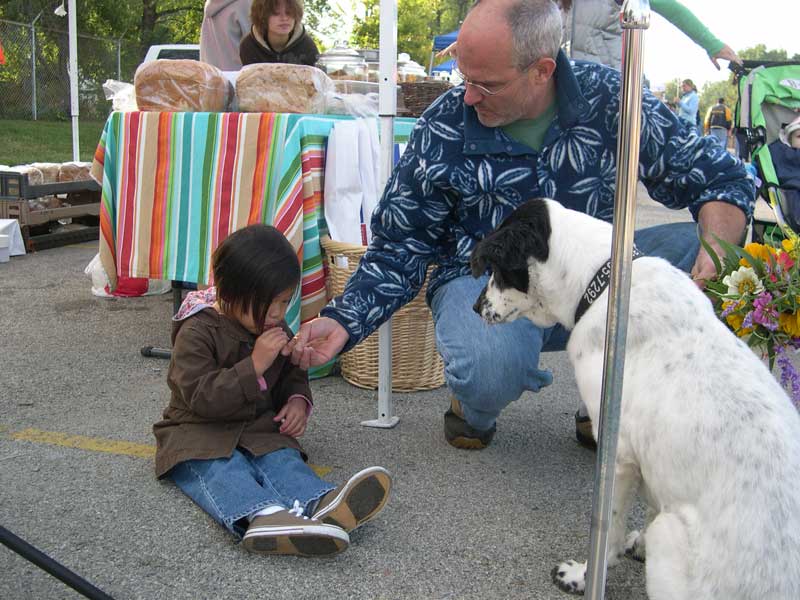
[
  {"x": 440, "y": 42},
  {"x": 446, "y": 66}
]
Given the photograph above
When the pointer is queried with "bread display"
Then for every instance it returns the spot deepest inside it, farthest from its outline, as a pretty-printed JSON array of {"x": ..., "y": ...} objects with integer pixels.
[
  {"x": 74, "y": 171},
  {"x": 49, "y": 172},
  {"x": 282, "y": 88},
  {"x": 181, "y": 86}
]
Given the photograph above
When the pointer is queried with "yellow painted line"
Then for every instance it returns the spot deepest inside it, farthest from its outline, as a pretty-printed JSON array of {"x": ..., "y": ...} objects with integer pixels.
[
  {"x": 83, "y": 442},
  {"x": 93, "y": 444}
]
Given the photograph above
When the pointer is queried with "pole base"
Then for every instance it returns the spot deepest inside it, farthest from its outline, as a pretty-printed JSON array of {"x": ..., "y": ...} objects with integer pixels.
[{"x": 382, "y": 423}]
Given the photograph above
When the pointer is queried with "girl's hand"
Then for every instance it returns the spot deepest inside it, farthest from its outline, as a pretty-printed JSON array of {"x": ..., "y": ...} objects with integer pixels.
[
  {"x": 293, "y": 417},
  {"x": 267, "y": 347}
]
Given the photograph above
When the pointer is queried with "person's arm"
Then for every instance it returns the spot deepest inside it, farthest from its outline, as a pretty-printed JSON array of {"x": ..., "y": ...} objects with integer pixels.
[
  {"x": 707, "y": 120},
  {"x": 723, "y": 220},
  {"x": 682, "y": 170},
  {"x": 408, "y": 226},
  {"x": 685, "y": 20}
]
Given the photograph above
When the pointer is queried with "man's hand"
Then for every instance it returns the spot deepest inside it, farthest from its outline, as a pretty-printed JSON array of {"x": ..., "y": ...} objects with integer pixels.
[
  {"x": 316, "y": 343},
  {"x": 293, "y": 417},
  {"x": 726, "y": 53},
  {"x": 724, "y": 221},
  {"x": 267, "y": 347}
]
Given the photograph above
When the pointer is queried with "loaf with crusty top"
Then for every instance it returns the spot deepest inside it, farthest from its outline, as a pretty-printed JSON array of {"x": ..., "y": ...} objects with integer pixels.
[
  {"x": 167, "y": 85},
  {"x": 282, "y": 88}
]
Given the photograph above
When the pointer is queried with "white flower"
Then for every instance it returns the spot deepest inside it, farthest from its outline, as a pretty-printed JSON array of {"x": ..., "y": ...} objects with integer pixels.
[{"x": 743, "y": 281}]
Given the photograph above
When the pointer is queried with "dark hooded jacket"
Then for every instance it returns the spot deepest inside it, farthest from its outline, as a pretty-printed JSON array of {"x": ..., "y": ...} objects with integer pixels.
[{"x": 301, "y": 49}]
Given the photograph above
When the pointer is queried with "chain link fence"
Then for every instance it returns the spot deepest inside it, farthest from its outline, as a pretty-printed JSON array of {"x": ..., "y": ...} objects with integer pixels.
[{"x": 34, "y": 82}]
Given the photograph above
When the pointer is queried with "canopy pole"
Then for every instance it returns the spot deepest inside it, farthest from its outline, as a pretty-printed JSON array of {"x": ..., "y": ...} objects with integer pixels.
[
  {"x": 387, "y": 109},
  {"x": 635, "y": 18},
  {"x": 73, "y": 77}
]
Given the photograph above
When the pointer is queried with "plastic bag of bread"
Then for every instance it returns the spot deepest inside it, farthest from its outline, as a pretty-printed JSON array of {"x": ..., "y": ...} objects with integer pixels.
[
  {"x": 74, "y": 171},
  {"x": 167, "y": 85},
  {"x": 35, "y": 176},
  {"x": 49, "y": 171},
  {"x": 282, "y": 88}
]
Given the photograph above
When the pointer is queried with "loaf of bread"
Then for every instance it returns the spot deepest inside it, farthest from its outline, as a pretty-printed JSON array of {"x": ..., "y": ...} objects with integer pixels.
[
  {"x": 282, "y": 88},
  {"x": 35, "y": 176},
  {"x": 49, "y": 171},
  {"x": 74, "y": 171},
  {"x": 166, "y": 85}
]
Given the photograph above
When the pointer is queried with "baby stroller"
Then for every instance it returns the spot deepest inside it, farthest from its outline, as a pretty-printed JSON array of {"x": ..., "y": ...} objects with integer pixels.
[{"x": 769, "y": 98}]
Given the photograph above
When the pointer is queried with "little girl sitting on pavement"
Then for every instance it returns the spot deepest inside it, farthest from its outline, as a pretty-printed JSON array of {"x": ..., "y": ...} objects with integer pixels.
[{"x": 228, "y": 435}]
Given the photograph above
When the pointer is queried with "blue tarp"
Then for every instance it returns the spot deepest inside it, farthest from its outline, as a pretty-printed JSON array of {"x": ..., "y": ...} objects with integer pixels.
[
  {"x": 446, "y": 66},
  {"x": 440, "y": 42}
]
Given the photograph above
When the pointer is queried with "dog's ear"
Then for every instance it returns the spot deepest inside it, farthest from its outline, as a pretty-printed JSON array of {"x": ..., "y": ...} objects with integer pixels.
[
  {"x": 524, "y": 234},
  {"x": 534, "y": 218}
]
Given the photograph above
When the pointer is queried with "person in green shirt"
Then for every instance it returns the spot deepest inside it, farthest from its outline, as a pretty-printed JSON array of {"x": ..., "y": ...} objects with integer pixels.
[{"x": 591, "y": 31}]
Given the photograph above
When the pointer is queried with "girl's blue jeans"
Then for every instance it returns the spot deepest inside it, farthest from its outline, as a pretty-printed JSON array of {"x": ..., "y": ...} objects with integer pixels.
[
  {"x": 230, "y": 489},
  {"x": 489, "y": 366}
]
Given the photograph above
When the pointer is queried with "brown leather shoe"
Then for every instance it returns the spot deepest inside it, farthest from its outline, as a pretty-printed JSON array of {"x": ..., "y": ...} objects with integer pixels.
[
  {"x": 461, "y": 434},
  {"x": 357, "y": 501},
  {"x": 286, "y": 532},
  {"x": 583, "y": 431}
]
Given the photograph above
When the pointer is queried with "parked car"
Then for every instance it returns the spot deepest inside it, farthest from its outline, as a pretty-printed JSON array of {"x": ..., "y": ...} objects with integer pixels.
[{"x": 190, "y": 51}]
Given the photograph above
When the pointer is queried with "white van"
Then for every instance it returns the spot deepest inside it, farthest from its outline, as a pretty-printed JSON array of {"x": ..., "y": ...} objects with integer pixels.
[{"x": 190, "y": 51}]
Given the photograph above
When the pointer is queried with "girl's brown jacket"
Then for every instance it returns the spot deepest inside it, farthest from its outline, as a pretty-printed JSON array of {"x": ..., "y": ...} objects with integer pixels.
[{"x": 216, "y": 402}]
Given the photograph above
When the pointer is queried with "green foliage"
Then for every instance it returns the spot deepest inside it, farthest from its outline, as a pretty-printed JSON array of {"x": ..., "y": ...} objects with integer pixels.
[{"x": 418, "y": 21}]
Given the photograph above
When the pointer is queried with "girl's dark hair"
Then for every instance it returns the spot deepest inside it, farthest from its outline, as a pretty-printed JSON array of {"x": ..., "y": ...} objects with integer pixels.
[
  {"x": 251, "y": 267},
  {"x": 261, "y": 10}
]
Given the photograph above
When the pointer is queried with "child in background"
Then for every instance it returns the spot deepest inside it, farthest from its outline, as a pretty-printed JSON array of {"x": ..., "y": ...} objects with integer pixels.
[
  {"x": 228, "y": 435},
  {"x": 278, "y": 35}
]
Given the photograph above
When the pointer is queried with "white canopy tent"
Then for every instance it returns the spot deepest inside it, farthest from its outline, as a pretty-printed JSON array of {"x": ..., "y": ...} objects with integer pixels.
[
  {"x": 72, "y": 19},
  {"x": 387, "y": 110}
]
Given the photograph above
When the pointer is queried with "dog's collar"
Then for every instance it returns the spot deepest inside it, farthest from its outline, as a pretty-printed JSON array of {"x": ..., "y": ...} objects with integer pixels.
[{"x": 598, "y": 285}]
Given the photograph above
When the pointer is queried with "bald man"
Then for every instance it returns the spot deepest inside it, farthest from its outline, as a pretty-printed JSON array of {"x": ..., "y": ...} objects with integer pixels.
[{"x": 525, "y": 123}]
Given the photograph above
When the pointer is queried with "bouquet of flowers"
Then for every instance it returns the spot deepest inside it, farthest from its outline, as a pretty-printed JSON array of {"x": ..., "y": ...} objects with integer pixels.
[{"x": 757, "y": 294}]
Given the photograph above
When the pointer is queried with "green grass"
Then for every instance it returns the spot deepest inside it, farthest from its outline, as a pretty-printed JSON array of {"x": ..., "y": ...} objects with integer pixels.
[{"x": 23, "y": 142}]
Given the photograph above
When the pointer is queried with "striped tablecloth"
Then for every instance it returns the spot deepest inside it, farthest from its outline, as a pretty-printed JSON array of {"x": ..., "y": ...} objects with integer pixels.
[{"x": 174, "y": 185}]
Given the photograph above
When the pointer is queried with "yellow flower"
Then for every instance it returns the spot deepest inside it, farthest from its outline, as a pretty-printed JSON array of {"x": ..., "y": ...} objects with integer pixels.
[
  {"x": 735, "y": 319},
  {"x": 757, "y": 251},
  {"x": 788, "y": 245},
  {"x": 790, "y": 323}
]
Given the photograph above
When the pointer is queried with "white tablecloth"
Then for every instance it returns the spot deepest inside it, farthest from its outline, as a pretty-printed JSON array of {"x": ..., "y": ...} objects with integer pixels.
[{"x": 10, "y": 227}]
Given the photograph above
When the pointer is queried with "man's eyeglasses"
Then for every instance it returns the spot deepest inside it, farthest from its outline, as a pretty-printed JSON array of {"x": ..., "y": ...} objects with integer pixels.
[{"x": 482, "y": 88}]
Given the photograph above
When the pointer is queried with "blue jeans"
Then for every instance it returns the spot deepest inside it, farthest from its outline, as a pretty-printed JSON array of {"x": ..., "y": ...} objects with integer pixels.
[
  {"x": 486, "y": 366},
  {"x": 230, "y": 489},
  {"x": 720, "y": 134}
]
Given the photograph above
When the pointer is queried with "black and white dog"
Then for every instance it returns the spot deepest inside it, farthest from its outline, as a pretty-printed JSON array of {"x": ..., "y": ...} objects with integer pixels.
[{"x": 706, "y": 431}]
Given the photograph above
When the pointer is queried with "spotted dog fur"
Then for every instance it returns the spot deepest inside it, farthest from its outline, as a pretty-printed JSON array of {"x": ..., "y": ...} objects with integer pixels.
[{"x": 706, "y": 432}]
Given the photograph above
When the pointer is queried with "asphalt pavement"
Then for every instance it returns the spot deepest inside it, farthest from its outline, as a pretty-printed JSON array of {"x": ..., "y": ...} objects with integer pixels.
[{"x": 77, "y": 402}]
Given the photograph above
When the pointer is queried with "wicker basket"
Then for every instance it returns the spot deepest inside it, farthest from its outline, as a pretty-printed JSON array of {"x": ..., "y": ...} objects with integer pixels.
[
  {"x": 416, "y": 365},
  {"x": 419, "y": 95}
]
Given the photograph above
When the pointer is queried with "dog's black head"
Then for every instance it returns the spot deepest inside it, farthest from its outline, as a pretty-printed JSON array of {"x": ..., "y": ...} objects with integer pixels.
[
  {"x": 524, "y": 234},
  {"x": 505, "y": 252}
]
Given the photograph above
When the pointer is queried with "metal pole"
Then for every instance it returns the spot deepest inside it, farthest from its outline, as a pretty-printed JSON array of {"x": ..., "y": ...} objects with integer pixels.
[
  {"x": 635, "y": 17},
  {"x": 387, "y": 109},
  {"x": 56, "y": 569},
  {"x": 33, "y": 66},
  {"x": 73, "y": 77}
]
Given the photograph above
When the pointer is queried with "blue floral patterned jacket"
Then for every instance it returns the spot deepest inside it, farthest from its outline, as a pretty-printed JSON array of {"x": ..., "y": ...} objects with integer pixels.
[{"x": 457, "y": 180}]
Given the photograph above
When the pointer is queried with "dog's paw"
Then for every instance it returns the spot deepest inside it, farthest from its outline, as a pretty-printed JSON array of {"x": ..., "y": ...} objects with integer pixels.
[
  {"x": 634, "y": 546},
  {"x": 570, "y": 576}
]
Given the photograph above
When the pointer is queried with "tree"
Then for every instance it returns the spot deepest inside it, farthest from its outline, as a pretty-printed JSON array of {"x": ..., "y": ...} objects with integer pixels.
[{"x": 418, "y": 21}]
